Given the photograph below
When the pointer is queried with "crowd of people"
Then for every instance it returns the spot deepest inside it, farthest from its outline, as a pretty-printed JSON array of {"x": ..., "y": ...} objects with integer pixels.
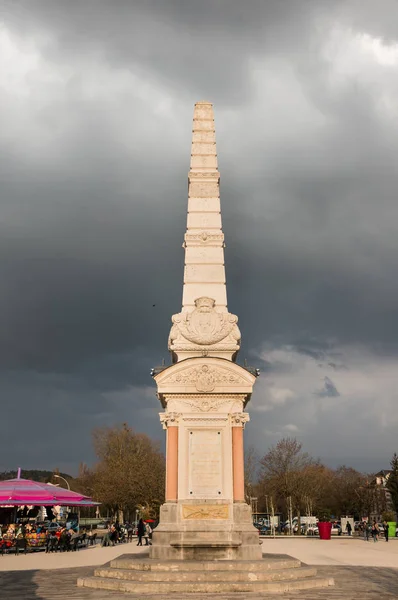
[
  {"x": 373, "y": 530},
  {"x": 20, "y": 537},
  {"x": 117, "y": 533}
]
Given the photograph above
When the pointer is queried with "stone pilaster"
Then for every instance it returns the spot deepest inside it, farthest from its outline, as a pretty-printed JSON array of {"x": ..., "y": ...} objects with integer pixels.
[
  {"x": 170, "y": 423},
  {"x": 238, "y": 421}
]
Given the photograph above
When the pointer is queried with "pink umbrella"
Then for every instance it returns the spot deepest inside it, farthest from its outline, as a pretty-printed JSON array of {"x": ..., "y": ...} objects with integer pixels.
[{"x": 17, "y": 492}]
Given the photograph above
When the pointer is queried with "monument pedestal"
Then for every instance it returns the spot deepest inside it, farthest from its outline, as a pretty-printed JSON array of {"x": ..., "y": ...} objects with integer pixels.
[
  {"x": 205, "y": 516},
  {"x": 200, "y": 530}
]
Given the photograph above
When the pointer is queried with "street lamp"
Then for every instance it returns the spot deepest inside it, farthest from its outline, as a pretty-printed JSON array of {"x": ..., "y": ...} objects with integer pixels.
[{"x": 63, "y": 479}]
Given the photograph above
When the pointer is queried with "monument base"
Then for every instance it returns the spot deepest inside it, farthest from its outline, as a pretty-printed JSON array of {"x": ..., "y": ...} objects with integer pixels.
[
  {"x": 205, "y": 530},
  {"x": 140, "y": 575}
]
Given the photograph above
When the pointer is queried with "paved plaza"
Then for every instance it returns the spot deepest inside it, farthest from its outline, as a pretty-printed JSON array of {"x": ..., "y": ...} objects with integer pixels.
[{"x": 361, "y": 571}]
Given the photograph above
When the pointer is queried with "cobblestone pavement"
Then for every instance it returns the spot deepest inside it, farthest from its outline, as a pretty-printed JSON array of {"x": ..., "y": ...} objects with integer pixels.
[{"x": 352, "y": 583}]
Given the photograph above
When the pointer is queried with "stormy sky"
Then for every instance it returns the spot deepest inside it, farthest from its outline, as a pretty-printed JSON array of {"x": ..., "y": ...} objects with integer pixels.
[{"x": 96, "y": 102}]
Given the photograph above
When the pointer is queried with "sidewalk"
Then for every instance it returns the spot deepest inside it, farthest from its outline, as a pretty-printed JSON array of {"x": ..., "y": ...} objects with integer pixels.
[
  {"x": 312, "y": 551},
  {"x": 85, "y": 557},
  {"x": 337, "y": 551}
]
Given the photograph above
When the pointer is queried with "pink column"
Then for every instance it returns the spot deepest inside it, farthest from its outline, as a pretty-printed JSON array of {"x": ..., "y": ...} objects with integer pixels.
[
  {"x": 238, "y": 464},
  {"x": 172, "y": 464}
]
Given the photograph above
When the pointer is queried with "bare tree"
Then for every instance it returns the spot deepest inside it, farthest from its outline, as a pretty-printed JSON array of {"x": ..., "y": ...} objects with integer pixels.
[
  {"x": 130, "y": 471},
  {"x": 292, "y": 476},
  {"x": 251, "y": 473}
]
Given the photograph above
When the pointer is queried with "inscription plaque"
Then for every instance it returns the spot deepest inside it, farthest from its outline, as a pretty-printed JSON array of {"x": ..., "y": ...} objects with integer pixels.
[
  {"x": 205, "y": 464},
  {"x": 205, "y": 511}
]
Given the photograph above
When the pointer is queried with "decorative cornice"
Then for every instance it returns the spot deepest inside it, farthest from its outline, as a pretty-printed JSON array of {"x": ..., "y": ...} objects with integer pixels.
[{"x": 226, "y": 397}]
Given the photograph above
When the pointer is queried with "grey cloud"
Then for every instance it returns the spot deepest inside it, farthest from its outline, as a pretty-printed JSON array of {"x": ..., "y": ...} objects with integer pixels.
[
  {"x": 329, "y": 390},
  {"x": 93, "y": 194}
]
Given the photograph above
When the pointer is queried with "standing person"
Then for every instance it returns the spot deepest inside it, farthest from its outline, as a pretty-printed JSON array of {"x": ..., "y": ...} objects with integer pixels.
[
  {"x": 114, "y": 536},
  {"x": 140, "y": 532},
  {"x": 386, "y": 532},
  {"x": 106, "y": 540},
  {"x": 348, "y": 528},
  {"x": 129, "y": 532},
  {"x": 147, "y": 534},
  {"x": 375, "y": 532},
  {"x": 368, "y": 531}
]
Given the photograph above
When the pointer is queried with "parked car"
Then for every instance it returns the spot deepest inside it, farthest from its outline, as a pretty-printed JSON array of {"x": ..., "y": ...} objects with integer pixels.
[
  {"x": 265, "y": 530},
  {"x": 312, "y": 530},
  {"x": 336, "y": 528}
]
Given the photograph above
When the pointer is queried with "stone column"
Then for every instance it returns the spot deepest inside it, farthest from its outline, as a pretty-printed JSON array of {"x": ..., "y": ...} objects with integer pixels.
[
  {"x": 238, "y": 463},
  {"x": 170, "y": 423}
]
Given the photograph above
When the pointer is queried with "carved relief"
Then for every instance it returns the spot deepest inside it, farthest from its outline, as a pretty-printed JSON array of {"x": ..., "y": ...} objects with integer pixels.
[
  {"x": 203, "y": 175},
  {"x": 205, "y": 419},
  {"x": 204, "y": 326},
  {"x": 206, "y": 405},
  {"x": 224, "y": 403},
  {"x": 205, "y": 511},
  {"x": 204, "y": 237},
  {"x": 205, "y": 378}
]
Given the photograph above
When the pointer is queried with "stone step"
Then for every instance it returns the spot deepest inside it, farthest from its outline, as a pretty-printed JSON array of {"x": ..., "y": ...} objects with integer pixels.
[
  {"x": 164, "y": 587},
  {"x": 205, "y": 576},
  {"x": 147, "y": 564},
  {"x": 204, "y": 544}
]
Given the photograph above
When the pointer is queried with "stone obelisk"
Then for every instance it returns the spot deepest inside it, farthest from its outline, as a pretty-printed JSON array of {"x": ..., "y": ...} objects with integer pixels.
[
  {"x": 205, "y": 541},
  {"x": 204, "y": 392}
]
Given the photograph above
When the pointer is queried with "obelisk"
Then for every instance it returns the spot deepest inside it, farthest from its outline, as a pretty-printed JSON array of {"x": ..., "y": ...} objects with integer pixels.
[{"x": 204, "y": 392}]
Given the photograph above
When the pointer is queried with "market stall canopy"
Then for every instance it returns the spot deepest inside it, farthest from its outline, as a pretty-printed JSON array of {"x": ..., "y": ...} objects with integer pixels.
[{"x": 19, "y": 492}]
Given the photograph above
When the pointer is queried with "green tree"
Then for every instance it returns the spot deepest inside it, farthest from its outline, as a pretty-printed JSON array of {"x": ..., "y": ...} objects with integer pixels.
[{"x": 392, "y": 482}]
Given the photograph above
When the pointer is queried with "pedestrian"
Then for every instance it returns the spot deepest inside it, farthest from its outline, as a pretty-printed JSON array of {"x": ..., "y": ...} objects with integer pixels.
[
  {"x": 375, "y": 532},
  {"x": 129, "y": 532},
  {"x": 147, "y": 534},
  {"x": 348, "y": 528},
  {"x": 106, "y": 540},
  {"x": 113, "y": 534},
  {"x": 140, "y": 532},
  {"x": 386, "y": 532}
]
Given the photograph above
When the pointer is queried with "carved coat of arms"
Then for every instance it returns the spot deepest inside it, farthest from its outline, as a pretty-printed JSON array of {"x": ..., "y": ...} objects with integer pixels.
[{"x": 204, "y": 326}]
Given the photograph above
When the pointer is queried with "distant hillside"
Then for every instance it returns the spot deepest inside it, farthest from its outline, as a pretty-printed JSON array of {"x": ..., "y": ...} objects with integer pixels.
[{"x": 35, "y": 474}]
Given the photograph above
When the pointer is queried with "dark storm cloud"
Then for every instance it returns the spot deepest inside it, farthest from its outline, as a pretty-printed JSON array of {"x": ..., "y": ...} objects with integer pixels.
[{"x": 94, "y": 150}]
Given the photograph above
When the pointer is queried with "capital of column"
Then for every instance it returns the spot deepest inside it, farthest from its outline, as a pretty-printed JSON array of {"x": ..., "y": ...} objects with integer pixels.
[
  {"x": 169, "y": 419},
  {"x": 240, "y": 419}
]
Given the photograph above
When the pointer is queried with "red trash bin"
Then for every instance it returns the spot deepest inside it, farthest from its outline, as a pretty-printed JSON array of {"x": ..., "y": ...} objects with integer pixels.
[{"x": 325, "y": 531}]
